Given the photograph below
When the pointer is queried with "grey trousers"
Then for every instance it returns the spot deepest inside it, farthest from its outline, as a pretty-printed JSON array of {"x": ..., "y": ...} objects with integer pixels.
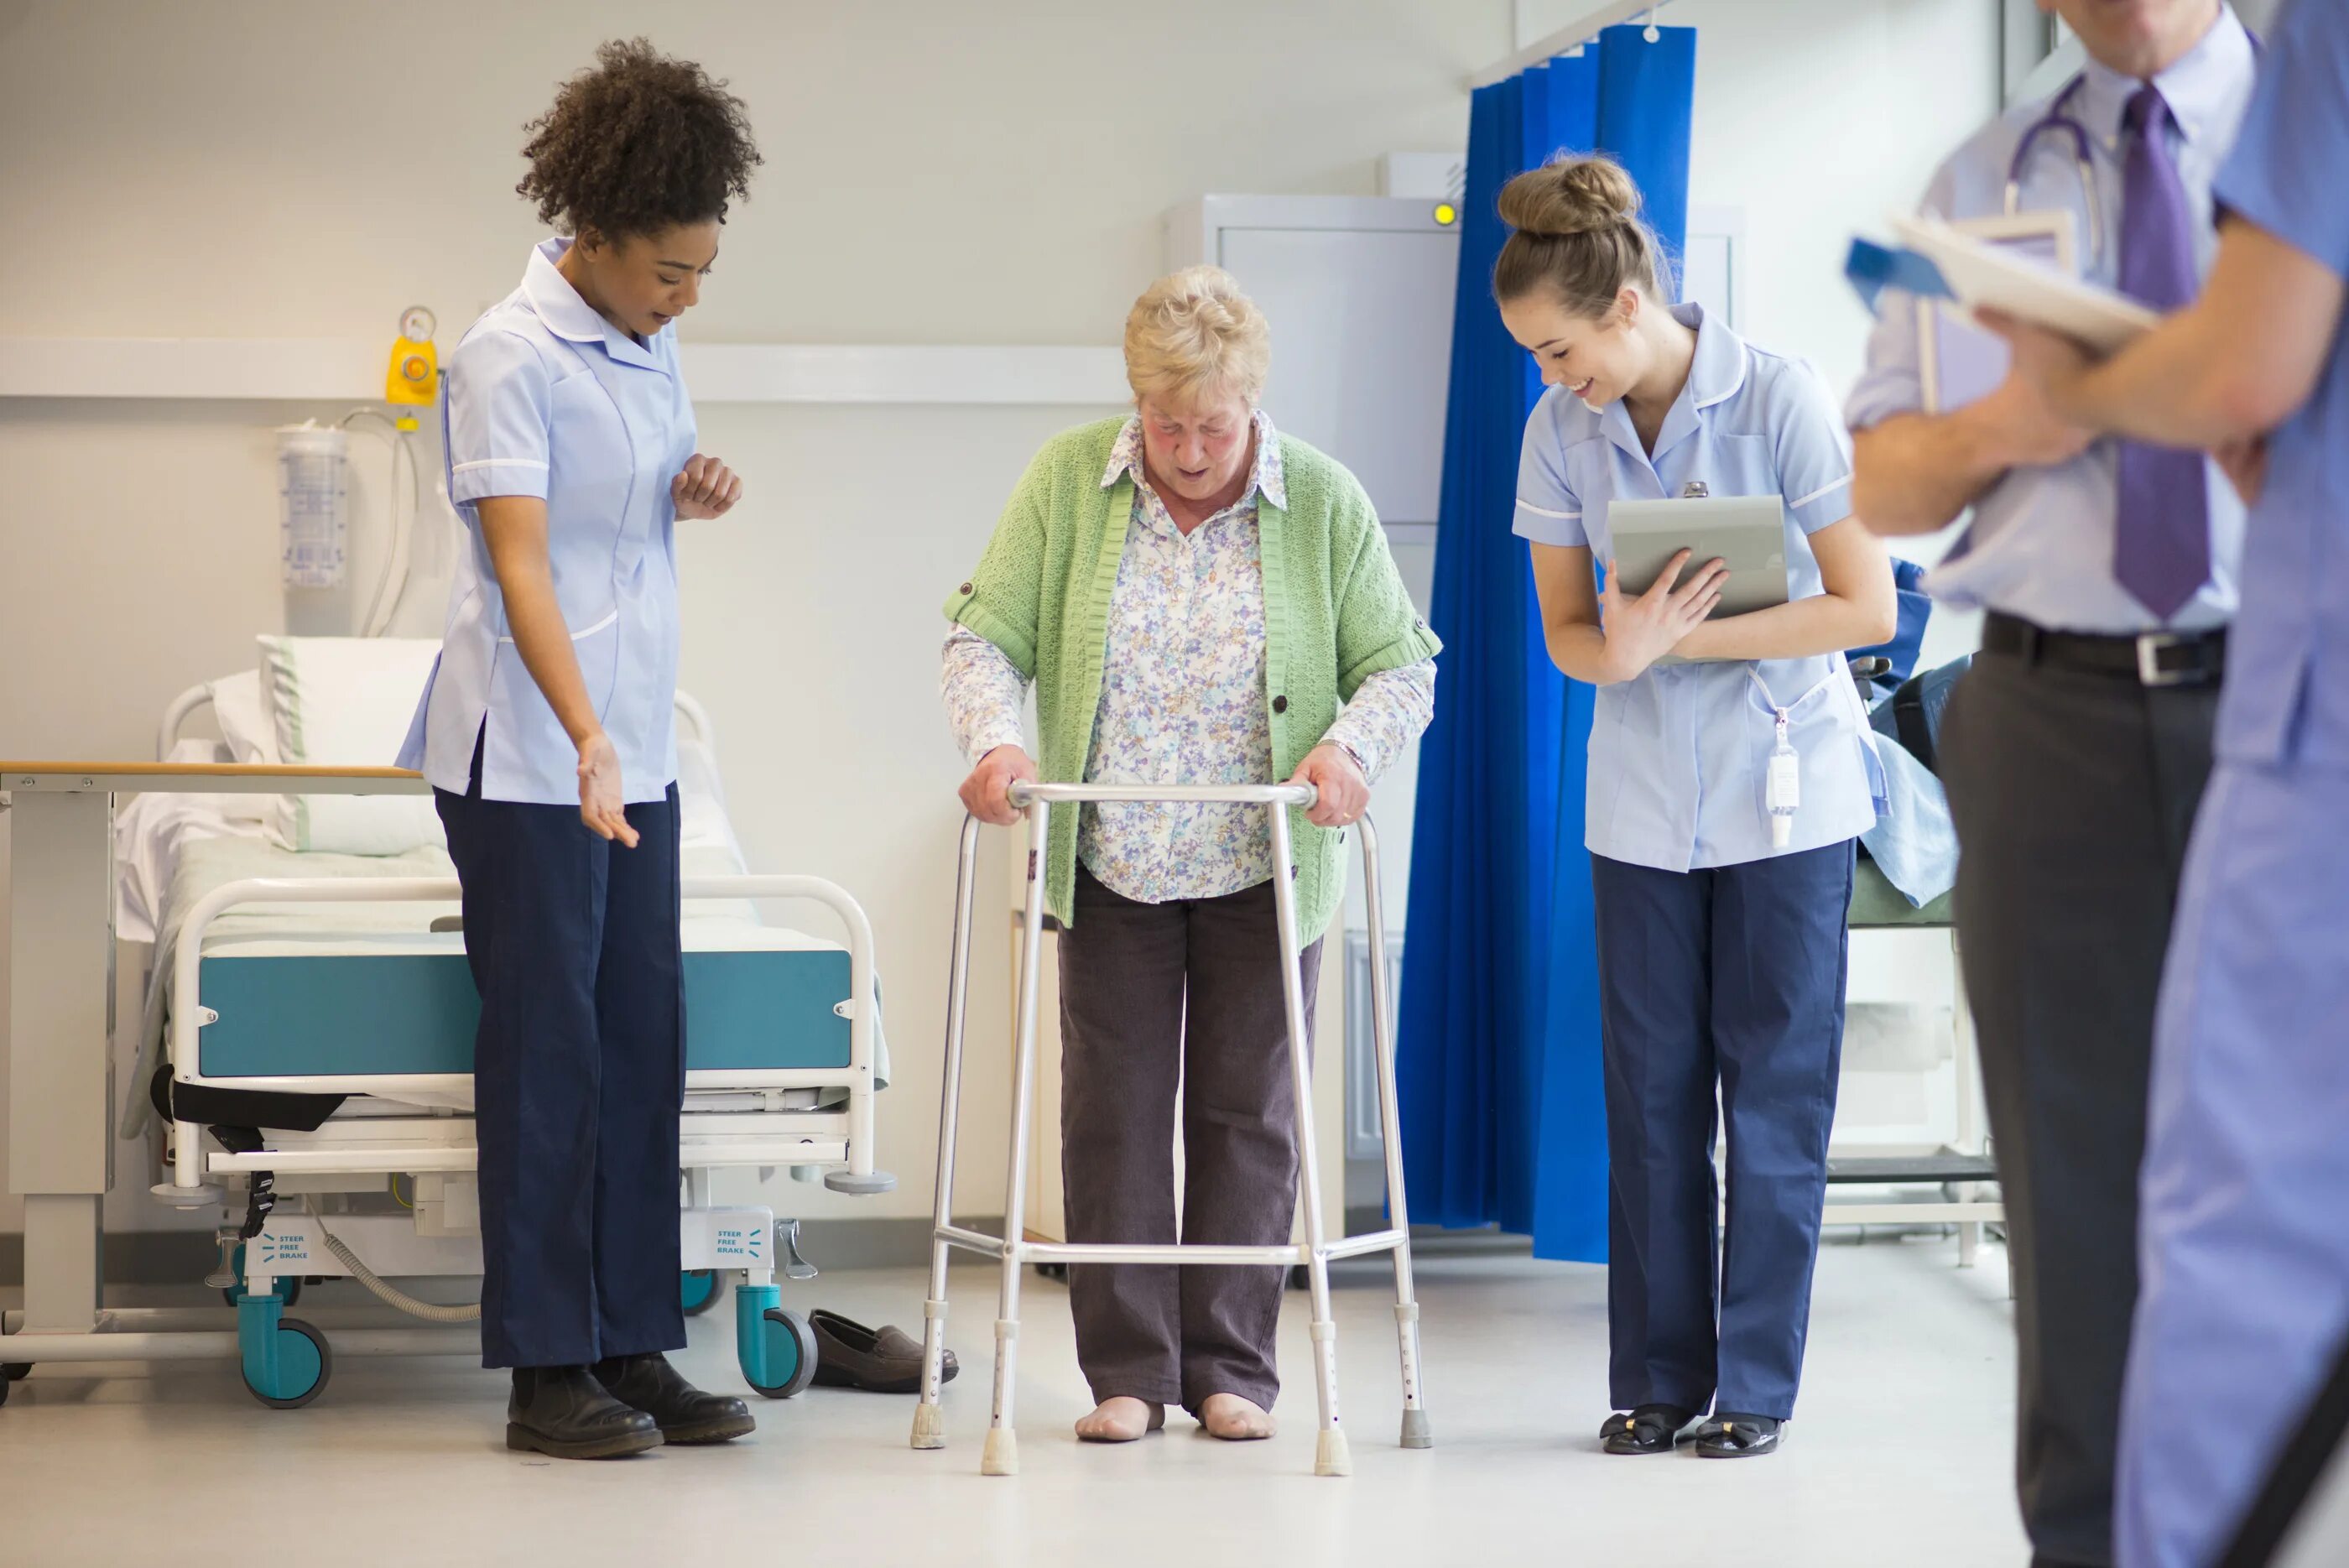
[
  {"x": 2073, "y": 796},
  {"x": 1154, "y": 996}
]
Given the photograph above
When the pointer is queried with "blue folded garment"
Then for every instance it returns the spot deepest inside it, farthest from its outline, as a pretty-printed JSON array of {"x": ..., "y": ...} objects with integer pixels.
[{"x": 1914, "y": 843}]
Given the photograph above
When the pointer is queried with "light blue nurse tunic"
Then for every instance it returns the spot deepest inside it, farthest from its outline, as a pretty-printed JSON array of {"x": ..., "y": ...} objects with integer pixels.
[
  {"x": 1680, "y": 757},
  {"x": 2245, "y": 1247},
  {"x": 544, "y": 397}
]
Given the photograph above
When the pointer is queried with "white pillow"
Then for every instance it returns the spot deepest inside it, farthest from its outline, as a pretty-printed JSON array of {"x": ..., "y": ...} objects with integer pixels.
[
  {"x": 345, "y": 701},
  {"x": 242, "y": 714}
]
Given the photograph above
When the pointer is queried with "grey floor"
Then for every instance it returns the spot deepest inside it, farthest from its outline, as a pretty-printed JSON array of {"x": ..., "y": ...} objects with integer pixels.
[{"x": 1900, "y": 1454}]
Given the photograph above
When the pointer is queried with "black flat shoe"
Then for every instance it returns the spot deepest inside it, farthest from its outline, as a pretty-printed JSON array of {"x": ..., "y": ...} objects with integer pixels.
[
  {"x": 885, "y": 1360},
  {"x": 565, "y": 1413},
  {"x": 1729, "y": 1436},
  {"x": 1647, "y": 1430},
  {"x": 685, "y": 1413}
]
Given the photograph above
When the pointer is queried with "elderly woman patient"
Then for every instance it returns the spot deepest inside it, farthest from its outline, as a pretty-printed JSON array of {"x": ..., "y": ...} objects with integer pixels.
[{"x": 1194, "y": 596}]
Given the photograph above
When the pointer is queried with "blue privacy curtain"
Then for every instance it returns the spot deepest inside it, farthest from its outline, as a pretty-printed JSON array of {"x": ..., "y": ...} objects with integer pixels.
[{"x": 1498, "y": 1038}]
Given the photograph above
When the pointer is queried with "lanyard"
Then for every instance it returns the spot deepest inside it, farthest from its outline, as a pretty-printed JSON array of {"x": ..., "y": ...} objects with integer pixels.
[{"x": 1783, "y": 794}]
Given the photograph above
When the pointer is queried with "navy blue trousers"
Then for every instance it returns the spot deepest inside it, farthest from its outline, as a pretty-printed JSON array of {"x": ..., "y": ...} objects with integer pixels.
[
  {"x": 1730, "y": 979},
  {"x": 578, "y": 1077}
]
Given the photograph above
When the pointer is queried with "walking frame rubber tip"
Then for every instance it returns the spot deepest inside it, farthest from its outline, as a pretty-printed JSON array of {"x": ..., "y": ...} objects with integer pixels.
[
  {"x": 929, "y": 1426},
  {"x": 1416, "y": 1433}
]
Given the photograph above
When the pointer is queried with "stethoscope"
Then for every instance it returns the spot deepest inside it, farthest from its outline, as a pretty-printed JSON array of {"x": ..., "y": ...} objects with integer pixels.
[{"x": 2059, "y": 119}]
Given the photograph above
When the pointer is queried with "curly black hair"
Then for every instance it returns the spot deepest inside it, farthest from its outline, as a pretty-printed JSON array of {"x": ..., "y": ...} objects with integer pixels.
[{"x": 640, "y": 144}]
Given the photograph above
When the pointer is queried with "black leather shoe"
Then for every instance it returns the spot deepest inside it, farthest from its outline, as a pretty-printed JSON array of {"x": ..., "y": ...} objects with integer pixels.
[
  {"x": 685, "y": 1413},
  {"x": 564, "y": 1412}
]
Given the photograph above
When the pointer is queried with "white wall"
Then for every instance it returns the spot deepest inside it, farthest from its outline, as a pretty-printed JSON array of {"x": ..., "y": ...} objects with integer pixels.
[{"x": 935, "y": 172}]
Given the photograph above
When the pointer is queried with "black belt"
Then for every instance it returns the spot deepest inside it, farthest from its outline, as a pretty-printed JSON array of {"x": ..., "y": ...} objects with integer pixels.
[{"x": 2155, "y": 658}]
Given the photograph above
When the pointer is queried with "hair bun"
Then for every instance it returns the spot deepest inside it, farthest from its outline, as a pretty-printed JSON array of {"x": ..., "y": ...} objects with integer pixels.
[{"x": 1571, "y": 196}]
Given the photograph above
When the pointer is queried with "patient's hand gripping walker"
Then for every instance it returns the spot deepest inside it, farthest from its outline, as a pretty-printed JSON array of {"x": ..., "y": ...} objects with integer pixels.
[{"x": 1314, "y": 1254}]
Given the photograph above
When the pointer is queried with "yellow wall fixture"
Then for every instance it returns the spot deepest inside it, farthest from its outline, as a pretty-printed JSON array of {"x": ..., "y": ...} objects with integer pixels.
[{"x": 414, "y": 378}]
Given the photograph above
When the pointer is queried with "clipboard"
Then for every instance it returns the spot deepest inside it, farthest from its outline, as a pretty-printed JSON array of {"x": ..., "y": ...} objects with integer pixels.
[
  {"x": 1981, "y": 274},
  {"x": 1958, "y": 362}
]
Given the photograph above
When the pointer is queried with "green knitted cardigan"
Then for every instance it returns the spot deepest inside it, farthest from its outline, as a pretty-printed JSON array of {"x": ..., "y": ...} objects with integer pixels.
[{"x": 1336, "y": 613}]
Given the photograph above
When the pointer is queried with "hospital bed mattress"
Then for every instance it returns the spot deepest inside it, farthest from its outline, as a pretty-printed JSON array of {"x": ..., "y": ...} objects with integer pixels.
[{"x": 312, "y": 999}]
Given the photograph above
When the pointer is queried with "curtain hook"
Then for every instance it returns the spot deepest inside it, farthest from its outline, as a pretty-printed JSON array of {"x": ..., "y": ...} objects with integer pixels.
[{"x": 1652, "y": 34}]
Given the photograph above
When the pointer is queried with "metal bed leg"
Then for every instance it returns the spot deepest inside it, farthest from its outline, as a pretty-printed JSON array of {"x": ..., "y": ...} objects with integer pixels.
[
  {"x": 1330, "y": 1456},
  {"x": 1415, "y": 1430},
  {"x": 929, "y": 1424},
  {"x": 1002, "y": 1455}
]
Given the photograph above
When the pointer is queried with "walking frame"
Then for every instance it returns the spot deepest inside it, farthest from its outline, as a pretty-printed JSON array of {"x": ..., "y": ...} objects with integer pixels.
[{"x": 1314, "y": 1254}]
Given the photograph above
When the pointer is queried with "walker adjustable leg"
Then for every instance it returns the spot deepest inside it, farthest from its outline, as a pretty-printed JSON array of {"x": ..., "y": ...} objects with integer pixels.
[
  {"x": 1330, "y": 1456},
  {"x": 929, "y": 1421},
  {"x": 1002, "y": 1455},
  {"x": 1415, "y": 1430},
  {"x": 929, "y": 1424}
]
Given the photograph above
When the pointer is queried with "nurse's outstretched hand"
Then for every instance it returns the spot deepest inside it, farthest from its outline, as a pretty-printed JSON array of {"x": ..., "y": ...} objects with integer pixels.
[
  {"x": 985, "y": 795},
  {"x": 707, "y": 488},
  {"x": 600, "y": 805},
  {"x": 1640, "y": 628}
]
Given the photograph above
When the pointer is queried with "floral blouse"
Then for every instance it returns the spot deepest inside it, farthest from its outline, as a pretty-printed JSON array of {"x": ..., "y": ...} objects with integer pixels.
[{"x": 1182, "y": 694}]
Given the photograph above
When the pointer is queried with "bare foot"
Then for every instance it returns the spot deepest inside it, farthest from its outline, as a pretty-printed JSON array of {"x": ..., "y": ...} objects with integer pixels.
[
  {"x": 1121, "y": 1420},
  {"x": 1235, "y": 1420}
]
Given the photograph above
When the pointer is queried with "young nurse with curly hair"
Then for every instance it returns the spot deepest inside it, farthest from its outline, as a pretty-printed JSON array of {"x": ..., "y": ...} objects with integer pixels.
[{"x": 546, "y": 731}]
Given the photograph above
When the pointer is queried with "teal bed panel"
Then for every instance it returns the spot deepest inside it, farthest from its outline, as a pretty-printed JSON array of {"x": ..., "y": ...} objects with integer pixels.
[{"x": 387, "y": 1013}]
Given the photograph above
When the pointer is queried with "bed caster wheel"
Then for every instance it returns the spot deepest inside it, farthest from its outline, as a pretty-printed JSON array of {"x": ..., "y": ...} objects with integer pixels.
[
  {"x": 1300, "y": 1279},
  {"x": 791, "y": 1354},
  {"x": 286, "y": 1362},
  {"x": 1058, "y": 1271},
  {"x": 289, "y": 1286},
  {"x": 698, "y": 1290},
  {"x": 776, "y": 1348},
  {"x": 5, "y": 1383},
  {"x": 15, "y": 1371}
]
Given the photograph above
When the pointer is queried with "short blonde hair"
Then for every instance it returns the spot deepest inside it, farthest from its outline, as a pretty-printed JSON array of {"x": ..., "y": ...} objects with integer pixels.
[{"x": 1193, "y": 335}]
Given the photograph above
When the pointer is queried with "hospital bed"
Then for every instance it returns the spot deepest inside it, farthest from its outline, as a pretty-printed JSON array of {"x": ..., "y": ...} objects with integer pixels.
[{"x": 307, "y": 1042}]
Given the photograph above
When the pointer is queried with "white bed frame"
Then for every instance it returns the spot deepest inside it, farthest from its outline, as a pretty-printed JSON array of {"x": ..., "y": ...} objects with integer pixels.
[{"x": 755, "y": 1119}]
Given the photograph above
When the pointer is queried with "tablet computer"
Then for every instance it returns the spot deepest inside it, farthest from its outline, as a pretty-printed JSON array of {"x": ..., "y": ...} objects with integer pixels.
[{"x": 1746, "y": 533}]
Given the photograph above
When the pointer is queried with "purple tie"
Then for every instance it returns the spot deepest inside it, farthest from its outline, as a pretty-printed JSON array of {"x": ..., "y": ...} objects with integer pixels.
[{"x": 2162, "y": 553}]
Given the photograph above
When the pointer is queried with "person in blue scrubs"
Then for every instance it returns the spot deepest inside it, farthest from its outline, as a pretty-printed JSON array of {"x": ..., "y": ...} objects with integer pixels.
[
  {"x": 1721, "y": 898},
  {"x": 2245, "y": 1252},
  {"x": 2079, "y": 742},
  {"x": 547, "y": 731}
]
